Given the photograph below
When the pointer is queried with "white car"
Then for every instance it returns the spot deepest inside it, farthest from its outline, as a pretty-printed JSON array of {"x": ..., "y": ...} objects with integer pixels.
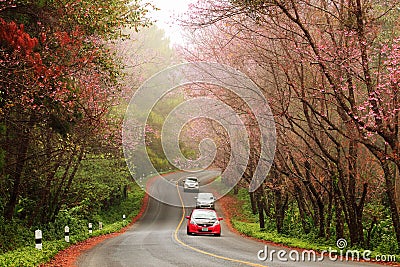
[
  {"x": 205, "y": 201},
  {"x": 191, "y": 184}
]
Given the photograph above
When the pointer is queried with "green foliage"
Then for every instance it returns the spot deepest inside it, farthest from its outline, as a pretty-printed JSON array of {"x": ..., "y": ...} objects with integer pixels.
[
  {"x": 53, "y": 234},
  {"x": 383, "y": 241},
  {"x": 253, "y": 229},
  {"x": 158, "y": 160},
  {"x": 129, "y": 207},
  {"x": 153, "y": 137},
  {"x": 246, "y": 213},
  {"x": 100, "y": 183},
  {"x": 30, "y": 256},
  {"x": 13, "y": 235}
]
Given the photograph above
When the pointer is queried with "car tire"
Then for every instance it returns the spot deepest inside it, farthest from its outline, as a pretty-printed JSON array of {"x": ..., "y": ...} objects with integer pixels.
[
  {"x": 217, "y": 234},
  {"x": 188, "y": 232}
]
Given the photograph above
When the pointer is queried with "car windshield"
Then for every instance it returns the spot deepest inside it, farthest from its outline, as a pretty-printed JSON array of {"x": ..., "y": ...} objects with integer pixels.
[
  {"x": 204, "y": 214},
  {"x": 191, "y": 179},
  {"x": 205, "y": 197}
]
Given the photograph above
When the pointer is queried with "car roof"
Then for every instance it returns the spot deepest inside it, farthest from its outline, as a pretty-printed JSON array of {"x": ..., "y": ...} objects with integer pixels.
[{"x": 191, "y": 178}]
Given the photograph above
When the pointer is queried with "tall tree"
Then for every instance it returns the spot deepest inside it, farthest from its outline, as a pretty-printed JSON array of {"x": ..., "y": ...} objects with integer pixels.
[{"x": 59, "y": 80}]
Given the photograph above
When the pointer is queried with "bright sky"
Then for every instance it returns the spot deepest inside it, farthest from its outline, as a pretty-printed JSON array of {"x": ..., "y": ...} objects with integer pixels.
[{"x": 167, "y": 16}]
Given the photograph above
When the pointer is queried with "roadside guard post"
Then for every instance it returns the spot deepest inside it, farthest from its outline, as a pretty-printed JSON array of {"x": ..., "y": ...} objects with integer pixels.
[
  {"x": 66, "y": 233},
  {"x": 100, "y": 225},
  {"x": 123, "y": 217},
  {"x": 90, "y": 228},
  {"x": 38, "y": 239}
]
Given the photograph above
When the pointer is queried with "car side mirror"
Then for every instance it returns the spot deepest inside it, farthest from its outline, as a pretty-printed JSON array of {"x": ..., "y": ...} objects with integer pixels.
[
  {"x": 187, "y": 217},
  {"x": 220, "y": 219}
]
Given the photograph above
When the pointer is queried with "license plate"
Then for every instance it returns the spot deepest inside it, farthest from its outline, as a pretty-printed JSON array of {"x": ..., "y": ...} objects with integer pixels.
[{"x": 204, "y": 229}]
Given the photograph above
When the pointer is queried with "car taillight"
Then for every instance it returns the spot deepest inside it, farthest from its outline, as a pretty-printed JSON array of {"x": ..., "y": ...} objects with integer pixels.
[{"x": 216, "y": 223}]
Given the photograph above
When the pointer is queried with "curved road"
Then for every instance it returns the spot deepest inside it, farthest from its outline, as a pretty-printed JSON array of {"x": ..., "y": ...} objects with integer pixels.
[{"x": 159, "y": 239}]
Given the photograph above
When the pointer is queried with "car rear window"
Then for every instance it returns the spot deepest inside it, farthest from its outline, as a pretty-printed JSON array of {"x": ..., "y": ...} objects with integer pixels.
[
  {"x": 204, "y": 214},
  {"x": 205, "y": 196}
]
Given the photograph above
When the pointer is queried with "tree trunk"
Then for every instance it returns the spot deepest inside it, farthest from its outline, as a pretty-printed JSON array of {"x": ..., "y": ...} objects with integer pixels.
[
  {"x": 390, "y": 187},
  {"x": 301, "y": 205},
  {"x": 21, "y": 140},
  {"x": 339, "y": 214},
  {"x": 236, "y": 190},
  {"x": 69, "y": 183},
  {"x": 369, "y": 232},
  {"x": 253, "y": 203},
  {"x": 260, "y": 210},
  {"x": 266, "y": 205},
  {"x": 397, "y": 189},
  {"x": 329, "y": 217},
  {"x": 320, "y": 206},
  {"x": 280, "y": 207},
  {"x": 44, "y": 202},
  {"x": 355, "y": 210},
  {"x": 58, "y": 192}
]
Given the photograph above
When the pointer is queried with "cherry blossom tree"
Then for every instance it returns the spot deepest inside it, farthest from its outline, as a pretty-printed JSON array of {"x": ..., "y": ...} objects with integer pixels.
[
  {"x": 59, "y": 81},
  {"x": 330, "y": 71}
]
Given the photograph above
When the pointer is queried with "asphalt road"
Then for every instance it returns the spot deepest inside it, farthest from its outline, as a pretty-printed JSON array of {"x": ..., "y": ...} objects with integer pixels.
[{"x": 159, "y": 239}]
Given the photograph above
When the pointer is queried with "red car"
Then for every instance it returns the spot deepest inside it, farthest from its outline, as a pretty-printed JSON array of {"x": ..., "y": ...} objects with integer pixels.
[{"x": 203, "y": 221}]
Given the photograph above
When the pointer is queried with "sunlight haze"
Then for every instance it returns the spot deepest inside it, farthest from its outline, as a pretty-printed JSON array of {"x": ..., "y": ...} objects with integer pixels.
[{"x": 168, "y": 16}]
